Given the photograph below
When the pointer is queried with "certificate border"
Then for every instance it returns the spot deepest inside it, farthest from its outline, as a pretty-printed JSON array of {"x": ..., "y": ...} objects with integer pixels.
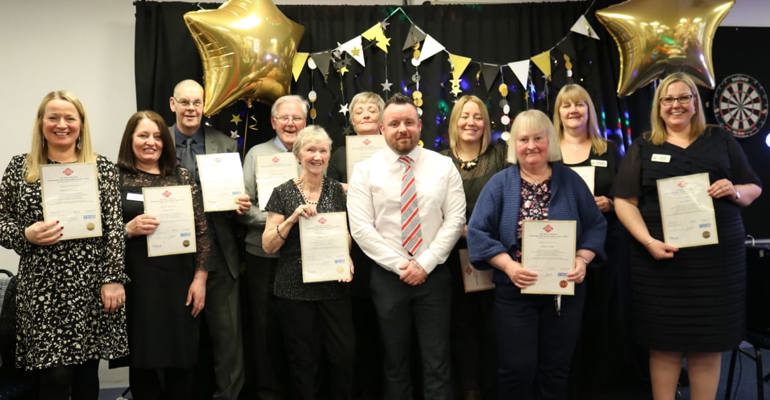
[
  {"x": 260, "y": 203},
  {"x": 302, "y": 222},
  {"x": 570, "y": 289},
  {"x": 91, "y": 166},
  {"x": 194, "y": 244},
  {"x": 348, "y": 164},
  {"x": 661, "y": 201},
  {"x": 486, "y": 274},
  {"x": 234, "y": 205}
]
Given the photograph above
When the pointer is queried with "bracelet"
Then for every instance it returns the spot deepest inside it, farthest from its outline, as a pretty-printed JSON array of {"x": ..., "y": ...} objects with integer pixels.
[
  {"x": 278, "y": 232},
  {"x": 585, "y": 260}
]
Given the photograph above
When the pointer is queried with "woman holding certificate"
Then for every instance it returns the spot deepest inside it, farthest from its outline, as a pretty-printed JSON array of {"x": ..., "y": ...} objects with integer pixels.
[
  {"x": 166, "y": 293},
  {"x": 536, "y": 333},
  {"x": 477, "y": 159},
  {"x": 315, "y": 317},
  {"x": 689, "y": 300},
  {"x": 70, "y": 292}
]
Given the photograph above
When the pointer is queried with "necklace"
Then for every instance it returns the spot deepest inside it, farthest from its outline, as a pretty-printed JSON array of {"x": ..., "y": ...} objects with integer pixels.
[
  {"x": 300, "y": 185},
  {"x": 536, "y": 179},
  {"x": 468, "y": 165}
]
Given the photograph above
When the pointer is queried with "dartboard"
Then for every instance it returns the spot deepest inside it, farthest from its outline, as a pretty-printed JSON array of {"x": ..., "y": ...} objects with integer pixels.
[{"x": 740, "y": 105}]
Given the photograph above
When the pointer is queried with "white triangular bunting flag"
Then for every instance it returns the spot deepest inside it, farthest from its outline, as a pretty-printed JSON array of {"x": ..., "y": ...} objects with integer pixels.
[
  {"x": 521, "y": 70},
  {"x": 430, "y": 47},
  {"x": 353, "y": 47},
  {"x": 584, "y": 28}
]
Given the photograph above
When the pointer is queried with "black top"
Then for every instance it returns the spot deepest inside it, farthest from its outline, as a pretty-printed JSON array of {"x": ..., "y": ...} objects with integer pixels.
[
  {"x": 474, "y": 178},
  {"x": 605, "y": 167},
  {"x": 288, "y": 275}
]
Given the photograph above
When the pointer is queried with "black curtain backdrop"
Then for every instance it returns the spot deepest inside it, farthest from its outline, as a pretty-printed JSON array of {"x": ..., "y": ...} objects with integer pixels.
[{"x": 497, "y": 34}]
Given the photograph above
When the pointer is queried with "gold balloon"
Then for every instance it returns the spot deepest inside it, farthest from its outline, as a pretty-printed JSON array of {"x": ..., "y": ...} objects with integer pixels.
[
  {"x": 247, "y": 48},
  {"x": 656, "y": 37}
]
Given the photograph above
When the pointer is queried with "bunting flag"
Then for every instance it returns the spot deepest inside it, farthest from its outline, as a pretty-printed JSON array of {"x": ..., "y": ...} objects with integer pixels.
[
  {"x": 415, "y": 35},
  {"x": 376, "y": 34},
  {"x": 298, "y": 64},
  {"x": 489, "y": 73},
  {"x": 521, "y": 70},
  {"x": 354, "y": 48},
  {"x": 322, "y": 60},
  {"x": 543, "y": 61},
  {"x": 459, "y": 64},
  {"x": 430, "y": 48},
  {"x": 583, "y": 27}
]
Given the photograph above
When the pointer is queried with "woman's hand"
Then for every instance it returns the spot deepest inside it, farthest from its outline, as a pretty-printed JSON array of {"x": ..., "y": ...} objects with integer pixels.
[
  {"x": 43, "y": 233},
  {"x": 244, "y": 204},
  {"x": 304, "y": 210},
  {"x": 520, "y": 276},
  {"x": 113, "y": 296},
  {"x": 142, "y": 225},
  {"x": 722, "y": 188},
  {"x": 660, "y": 250},
  {"x": 196, "y": 294},
  {"x": 578, "y": 273},
  {"x": 344, "y": 187},
  {"x": 352, "y": 271},
  {"x": 604, "y": 203}
]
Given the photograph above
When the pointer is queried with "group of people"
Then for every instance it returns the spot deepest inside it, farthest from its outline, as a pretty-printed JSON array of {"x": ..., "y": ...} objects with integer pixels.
[{"x": 416, "y": 218}]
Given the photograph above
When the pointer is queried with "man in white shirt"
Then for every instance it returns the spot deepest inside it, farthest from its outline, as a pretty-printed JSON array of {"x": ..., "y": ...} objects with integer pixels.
[{"x": 409, "y": 229}]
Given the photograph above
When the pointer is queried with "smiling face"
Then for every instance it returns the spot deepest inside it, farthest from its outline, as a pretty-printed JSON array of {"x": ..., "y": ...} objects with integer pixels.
[
  {"x": 532, "y": 148},
  {"x": 61, "y": 125},
  {"x": 147, "y": 144},
  {"x": 677, "y": 116},
  {"x": 574, "y": 115},
  {"x": 314, "y": 156},
  {"x": 187, "y": 104},
  {"x": 288, "y": 120},
  {"x": 401, "y": 127},
  {"x": 470, "y": 125},
  {"x": 365, "y": 118}
]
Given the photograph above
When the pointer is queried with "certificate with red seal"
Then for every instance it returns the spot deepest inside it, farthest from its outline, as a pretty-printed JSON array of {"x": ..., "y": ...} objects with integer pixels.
[{"x": 548, "y": 248}]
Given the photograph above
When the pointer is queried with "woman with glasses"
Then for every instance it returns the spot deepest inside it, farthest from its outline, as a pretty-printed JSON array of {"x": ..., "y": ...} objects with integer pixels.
[{"x": 688, "y": 302}]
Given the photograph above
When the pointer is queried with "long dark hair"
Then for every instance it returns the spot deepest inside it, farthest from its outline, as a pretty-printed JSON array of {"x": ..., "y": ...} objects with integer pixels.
[{"x": 126, "y": 157}]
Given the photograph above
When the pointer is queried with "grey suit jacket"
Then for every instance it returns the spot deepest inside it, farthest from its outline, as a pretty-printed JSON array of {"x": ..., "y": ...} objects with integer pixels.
[{"x": 223, "y": 222}]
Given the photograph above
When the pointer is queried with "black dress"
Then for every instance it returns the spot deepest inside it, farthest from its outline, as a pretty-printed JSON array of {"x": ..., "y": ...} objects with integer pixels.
[
  {"x": 694, "y": 302},
  {"x": 161, "y": 331}
]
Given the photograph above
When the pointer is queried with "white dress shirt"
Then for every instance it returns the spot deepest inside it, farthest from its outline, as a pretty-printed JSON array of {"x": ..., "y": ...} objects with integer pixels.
[{"x": 374, "y": 204}]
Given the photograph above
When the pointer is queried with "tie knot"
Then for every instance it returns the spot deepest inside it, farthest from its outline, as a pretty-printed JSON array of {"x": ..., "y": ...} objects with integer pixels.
[{"x": 405, "y": 160}]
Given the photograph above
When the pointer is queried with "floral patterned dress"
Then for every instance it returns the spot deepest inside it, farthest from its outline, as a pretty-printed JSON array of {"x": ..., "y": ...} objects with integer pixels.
[{"x": 60, "y": 318}]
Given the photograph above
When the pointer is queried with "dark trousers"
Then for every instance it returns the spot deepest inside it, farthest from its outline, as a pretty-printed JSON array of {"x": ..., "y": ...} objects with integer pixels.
[
  {"x": 426, "y": 307},
  {"x": 161, "y": 383},
  {"x": 223, "y": 318},
  {"x": 58, "y": 383},
  {"x": 264, "y": 346},
  {"x": 535, "y": 343},
  {"x": 313, "y": 328}
]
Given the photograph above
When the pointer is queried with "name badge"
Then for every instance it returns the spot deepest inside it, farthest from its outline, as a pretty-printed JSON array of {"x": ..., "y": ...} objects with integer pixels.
[
  {"x": 599, "y": 163},
  {"x": 134, "y": 197},
  {"x": 664, "y": 158}
]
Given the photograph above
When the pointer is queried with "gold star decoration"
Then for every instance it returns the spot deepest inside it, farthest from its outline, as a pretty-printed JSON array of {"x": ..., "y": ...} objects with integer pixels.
[
  {"x": 247, "y": 48},
  {"x": 236, "y": 119},
  {"x": 355, "y": 51},
  {"x": 343, "y": 70},
  {"x": 657, "y": 37},
  {"x": 455, "y": 86}
]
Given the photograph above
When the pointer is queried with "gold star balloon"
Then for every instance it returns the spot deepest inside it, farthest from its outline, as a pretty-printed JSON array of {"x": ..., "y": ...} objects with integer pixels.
[
  {"x": 247, "y": 48},
  {"x": 656, "y": 37}
]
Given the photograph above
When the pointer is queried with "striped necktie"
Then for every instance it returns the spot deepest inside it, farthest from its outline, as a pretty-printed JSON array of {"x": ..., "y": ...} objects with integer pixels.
[{"x": 411, "y": 228}]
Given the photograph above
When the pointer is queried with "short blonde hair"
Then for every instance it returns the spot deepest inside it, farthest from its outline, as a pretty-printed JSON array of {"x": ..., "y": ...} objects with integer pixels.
[
  {"x": 366, "y": 98},
  {"x": 38, "y": 155},
  {"x": 575, "y": 93},
  {"x": 457, "y": 110},
  {"x": 534, "y": 120},
  {"x": 698, "y": 121},
  {"x": 308, "y": 134}
]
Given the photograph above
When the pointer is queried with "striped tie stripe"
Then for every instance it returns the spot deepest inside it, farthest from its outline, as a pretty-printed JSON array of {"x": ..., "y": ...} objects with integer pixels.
[{"x": 411, "y": 228}]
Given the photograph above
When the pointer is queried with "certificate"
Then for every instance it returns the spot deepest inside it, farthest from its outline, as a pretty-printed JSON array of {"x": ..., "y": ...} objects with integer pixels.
[
  {"x": 324, "y": 246},
  {"x": 548, "y": 248},
  {"x": 70, "y": 194},
  {"x": 221, "y": 178},
  {"x": 272, "y": 171},
  {"x": 587, "y": 173},
  {"x": 359, "y": 148},
  {"x": 687, "y": 211},
  {"x": 173, "y": 207},
  {"x": 474, "y": 280}
]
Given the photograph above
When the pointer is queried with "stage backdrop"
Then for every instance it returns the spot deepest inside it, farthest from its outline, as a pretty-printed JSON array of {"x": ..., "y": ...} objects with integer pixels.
[{"x": 491, "y": 35}]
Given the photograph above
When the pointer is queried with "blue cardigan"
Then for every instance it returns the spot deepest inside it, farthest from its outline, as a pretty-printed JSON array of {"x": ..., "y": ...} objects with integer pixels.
[{"x": 493, "y": 224}]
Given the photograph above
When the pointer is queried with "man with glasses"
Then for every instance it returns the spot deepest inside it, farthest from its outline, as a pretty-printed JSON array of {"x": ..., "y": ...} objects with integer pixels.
[
  {"x": 222, "y": 311},
  {"x": 287, "y": 116}
]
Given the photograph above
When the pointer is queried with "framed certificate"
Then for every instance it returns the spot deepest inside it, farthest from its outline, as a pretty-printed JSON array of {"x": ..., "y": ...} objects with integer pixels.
[
  {"x": 70, "y": 194},
  {"x": 474, "y": 280},
  {"x": 548, "y": 248},
  {"x": 359, "y": 148},
  {"x": 173, "y": 207},
  {"x": 687, "y": 211},
  {"x": 221, "y": 178},
  {"x": 588, "y": 175},
  {"x": 272, "y": 171},
  {"x": 324, "y": 247}
]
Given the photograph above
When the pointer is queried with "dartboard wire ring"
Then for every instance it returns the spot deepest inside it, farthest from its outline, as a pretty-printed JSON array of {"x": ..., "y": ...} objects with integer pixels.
[{"x": 740, "y": 105}]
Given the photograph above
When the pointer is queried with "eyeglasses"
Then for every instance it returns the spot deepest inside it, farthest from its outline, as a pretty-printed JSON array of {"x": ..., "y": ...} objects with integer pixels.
[
  {"x": 683, "y": 100},
  {"x": 286, "y": 118},
  {"x": 187, "y": 103}
]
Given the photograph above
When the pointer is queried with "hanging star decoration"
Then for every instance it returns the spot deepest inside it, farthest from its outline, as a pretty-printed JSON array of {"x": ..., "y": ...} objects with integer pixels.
[
  {"x": 236, "y": 119},
  {"x": 344, "y": 109},
  {"x": 343, "y": 70},
  {"x": 386, "y": 85},
  {"x": 253, "y": 126},
  {"x": 234, "y": 67},
  {"x": 657, "y": 37},
  {"x": 455, "y": 86}
]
